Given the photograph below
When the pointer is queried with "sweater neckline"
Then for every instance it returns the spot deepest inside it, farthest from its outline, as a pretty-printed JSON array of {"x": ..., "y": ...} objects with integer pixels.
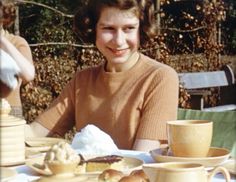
[{"x": 121, "y": 75}]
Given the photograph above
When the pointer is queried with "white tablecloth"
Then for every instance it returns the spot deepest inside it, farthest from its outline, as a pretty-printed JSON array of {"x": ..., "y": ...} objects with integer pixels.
[{"x": 25, "y": 174}]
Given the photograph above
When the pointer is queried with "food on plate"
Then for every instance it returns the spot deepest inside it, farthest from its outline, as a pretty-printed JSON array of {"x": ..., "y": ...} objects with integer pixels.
[
  {"x": 93, "y": 141},
  {"x": 140, "y": 173},
  {"x": 110, "y": 175},
  {"x": 132, "y": 178},
  {"x": 62, "y": 152},
  {"x": 104, "y": 162},
  {"x": 5, "y": 107},
  {"x": 61, "y": 158}
]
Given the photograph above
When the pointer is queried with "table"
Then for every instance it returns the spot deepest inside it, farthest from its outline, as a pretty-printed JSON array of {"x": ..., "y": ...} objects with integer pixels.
[{"x": 25, "y": 174}]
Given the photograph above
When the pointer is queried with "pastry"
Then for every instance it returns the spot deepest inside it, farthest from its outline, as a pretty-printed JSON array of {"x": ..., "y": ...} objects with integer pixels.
[
  {"x": 110, "y": 175},
  {"x": 61, "y": 158},
  {"x": 104, "y": 162},
  {"x": 140, "y": 173},
  {"x": 61, "y": 152},
  {"x": 132, "y": 178}
]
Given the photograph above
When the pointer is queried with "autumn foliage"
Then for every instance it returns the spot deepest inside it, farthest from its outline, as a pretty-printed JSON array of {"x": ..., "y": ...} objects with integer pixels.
[{"x": 187, "y": 41}]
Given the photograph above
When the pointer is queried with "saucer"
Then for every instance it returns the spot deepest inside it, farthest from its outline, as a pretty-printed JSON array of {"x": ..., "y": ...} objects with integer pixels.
[
  {"x": 215, "y": 157},
  {"x": 62, "y": 178},
  {"x": 35, "y": 145},
  {"x": 42, "y": 141},
  {"x": 37, "y": 164}
]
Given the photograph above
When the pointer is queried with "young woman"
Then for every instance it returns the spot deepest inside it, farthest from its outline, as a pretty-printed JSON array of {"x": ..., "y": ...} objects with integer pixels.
[
  {"x": 130, "y": 96},
  {"x": 18, "y": 49}
]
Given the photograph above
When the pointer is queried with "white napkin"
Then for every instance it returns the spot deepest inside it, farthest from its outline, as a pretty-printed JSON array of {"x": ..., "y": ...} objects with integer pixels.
[
  {"x": 8, "y": 70},
  {"x": 93, "y": 141},
  {"x": 23, "y": 178}
]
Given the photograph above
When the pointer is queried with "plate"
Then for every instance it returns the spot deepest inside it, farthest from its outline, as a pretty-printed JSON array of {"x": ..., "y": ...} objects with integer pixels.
[
  {"x": 144, "y": 156},
  {"x": 74, "y": 178},
  {"x": 215, "y": 157},
  {"x": 231, "y": 166},
  {"x": 39, "y": 144},
  {"x": 42, "y": 141},
  {"x": 38, "y": 166},
  {"x": 6, "y": 174}
]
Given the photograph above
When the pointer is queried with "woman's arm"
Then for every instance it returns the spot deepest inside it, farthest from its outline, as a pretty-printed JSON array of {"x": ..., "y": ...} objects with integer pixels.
[
  {"x": 160, "y": 105},
  {"x": 146, "y": 145},
  {"x": 22, "y": 56}
]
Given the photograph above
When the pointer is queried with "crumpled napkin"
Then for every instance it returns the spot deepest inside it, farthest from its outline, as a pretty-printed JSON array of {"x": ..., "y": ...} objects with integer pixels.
[
  {"x": 93, "y": 141},
  {"x": 8, "y": 70}
]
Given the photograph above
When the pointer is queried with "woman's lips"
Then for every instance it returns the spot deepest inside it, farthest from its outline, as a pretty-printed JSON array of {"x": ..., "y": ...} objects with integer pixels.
[{"x": 119, "y": 52}]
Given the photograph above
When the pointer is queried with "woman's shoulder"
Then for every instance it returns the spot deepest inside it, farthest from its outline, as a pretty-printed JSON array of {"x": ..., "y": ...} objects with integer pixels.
[
  {"x": 156, "y": 66},
  {"x": 14, "y": 39}
]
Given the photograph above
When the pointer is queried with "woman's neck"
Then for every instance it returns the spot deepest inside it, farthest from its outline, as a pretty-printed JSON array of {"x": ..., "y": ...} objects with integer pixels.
[{"x": 124, "y": 66}]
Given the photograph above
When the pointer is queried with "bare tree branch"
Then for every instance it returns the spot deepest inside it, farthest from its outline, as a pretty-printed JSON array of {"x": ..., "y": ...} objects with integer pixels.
[
  {"x": 180, "y": 30},
  {"x": 62, "y": 43},
  {"x": 45, "y": 6}
]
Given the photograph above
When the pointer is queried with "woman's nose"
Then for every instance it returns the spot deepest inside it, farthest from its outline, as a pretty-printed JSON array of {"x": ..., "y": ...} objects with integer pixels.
[{"x": 119, "y": 37}]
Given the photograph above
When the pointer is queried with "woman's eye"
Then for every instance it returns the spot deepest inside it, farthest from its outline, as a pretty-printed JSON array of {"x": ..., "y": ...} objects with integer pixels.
[
  {"x": 129, "y": 28},
  {"x": 107, "y": 28}
]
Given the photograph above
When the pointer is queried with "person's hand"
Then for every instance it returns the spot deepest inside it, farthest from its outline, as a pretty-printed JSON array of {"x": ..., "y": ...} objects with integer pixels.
[{"x": 146, "y": 145}]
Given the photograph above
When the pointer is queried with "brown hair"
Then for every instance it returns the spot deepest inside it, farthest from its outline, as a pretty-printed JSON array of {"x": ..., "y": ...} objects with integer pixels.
[
  {"x": 86, "y": 18},
  {"x": 7, "y": 13}
]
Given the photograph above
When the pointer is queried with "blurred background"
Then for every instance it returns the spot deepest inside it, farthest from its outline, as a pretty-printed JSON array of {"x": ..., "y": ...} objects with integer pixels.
[{"x": 194, "y": 36}]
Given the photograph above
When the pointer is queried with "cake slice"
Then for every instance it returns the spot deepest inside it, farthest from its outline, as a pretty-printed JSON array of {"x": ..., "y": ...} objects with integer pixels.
[{"x": 104, "y": 162}]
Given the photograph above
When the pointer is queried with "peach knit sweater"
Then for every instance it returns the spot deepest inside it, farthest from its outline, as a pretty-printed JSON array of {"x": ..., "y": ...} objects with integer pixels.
[
  {"x": 126, "y": 105},
  {"x": 21, "y": 44}
]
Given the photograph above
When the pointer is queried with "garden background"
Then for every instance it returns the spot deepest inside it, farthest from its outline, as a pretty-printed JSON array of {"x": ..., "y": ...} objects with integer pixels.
[{"x": 194, "y": 36}]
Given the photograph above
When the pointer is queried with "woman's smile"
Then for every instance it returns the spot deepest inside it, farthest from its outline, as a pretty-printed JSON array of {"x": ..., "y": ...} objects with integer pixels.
[{"x": 119, "y": 52}]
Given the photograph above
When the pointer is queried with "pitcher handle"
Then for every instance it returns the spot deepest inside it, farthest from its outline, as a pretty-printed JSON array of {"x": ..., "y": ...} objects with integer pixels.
[{"x": 219, "y": 169}]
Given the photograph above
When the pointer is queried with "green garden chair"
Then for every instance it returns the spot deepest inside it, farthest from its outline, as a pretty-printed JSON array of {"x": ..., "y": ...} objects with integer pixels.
[{"x": 224, "y": 126}]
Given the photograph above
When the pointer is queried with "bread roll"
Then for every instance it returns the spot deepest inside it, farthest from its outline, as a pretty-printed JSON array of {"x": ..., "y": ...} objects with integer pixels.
[
  {"x": 110, "y": 175},
  {"x": 140, "y": 173},
  {"x": 132, "y": 178}
]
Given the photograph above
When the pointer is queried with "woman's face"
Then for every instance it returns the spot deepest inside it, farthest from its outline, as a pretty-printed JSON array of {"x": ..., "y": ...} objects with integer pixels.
[{"x": 117, "y": 35}]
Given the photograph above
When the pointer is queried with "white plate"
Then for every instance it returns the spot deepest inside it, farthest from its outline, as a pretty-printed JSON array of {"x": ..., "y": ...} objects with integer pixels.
[
  {"x": 42, "y": 141},
  {"x": 7, "y": 174},
  {"x": 144, "y": 156},
  {"x": 216, "y": 156},
  {"x": 37, "y": 145},
  {"x": 74, "y": 178},
  {"x": 37, "y": 164}
]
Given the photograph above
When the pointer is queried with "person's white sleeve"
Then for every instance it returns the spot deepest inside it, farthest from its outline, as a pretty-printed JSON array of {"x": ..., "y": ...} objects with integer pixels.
[{"x": 8, "y": 70}]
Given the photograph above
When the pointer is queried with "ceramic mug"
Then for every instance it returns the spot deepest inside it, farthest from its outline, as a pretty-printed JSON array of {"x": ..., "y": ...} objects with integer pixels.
[
  {"x": 182, "y": 172},
  {"x": 189, "y": 138}
]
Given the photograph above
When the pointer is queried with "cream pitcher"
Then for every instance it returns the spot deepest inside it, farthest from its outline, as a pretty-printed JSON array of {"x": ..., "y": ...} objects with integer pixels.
[
  {"x": 12, "y": 137},
  {"x": 182, "y": 172}
]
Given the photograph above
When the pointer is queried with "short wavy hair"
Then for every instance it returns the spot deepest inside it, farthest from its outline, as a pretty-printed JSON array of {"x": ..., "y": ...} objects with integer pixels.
[{"x": 86, "y": 17}]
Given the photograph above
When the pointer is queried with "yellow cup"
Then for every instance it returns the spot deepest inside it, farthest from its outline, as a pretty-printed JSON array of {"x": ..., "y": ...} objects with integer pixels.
[{"x": 190, "y": 138}]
